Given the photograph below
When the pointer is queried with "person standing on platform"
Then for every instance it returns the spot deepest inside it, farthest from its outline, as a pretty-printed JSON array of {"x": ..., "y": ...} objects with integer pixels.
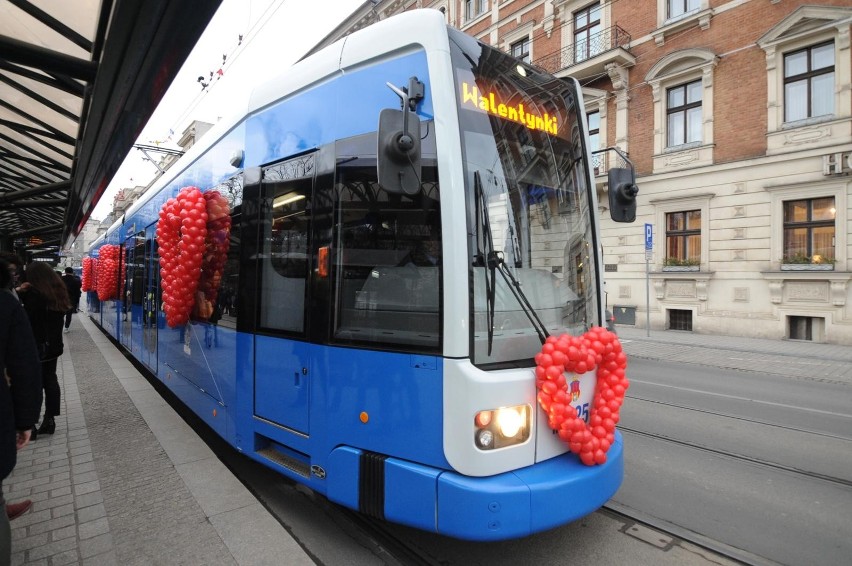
[
  {"x": 74, "y": 286},
  {"x": 46, "y": 302},
  {"x": 15, "y": 268},
  {"x": 20, "y": 393},
  {"x": 14, "y": 510}
]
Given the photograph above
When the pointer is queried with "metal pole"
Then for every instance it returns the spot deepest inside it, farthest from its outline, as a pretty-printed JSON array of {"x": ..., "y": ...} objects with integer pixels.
[{"x": 647, "y": 295}]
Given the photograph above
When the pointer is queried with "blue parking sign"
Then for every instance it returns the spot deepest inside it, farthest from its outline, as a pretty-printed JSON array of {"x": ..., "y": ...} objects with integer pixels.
[{"x": 649, "y": 236}]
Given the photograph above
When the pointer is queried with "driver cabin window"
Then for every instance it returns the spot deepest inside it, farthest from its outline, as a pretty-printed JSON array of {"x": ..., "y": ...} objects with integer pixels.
[{"x": 386, "y": 259}]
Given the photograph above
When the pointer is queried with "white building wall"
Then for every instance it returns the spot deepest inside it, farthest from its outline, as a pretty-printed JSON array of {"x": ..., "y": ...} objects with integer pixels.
[{"x": 740, "y": 288}]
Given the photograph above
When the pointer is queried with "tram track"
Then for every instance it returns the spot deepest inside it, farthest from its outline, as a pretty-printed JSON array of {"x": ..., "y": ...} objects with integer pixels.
[
  {"x": 738, "y": 457},
  {"x": 745, "y": 419},
  {"x": 385, "y": 544},
  {"x": 633, "y": 518},
  {"x": 394, "y": 551}
]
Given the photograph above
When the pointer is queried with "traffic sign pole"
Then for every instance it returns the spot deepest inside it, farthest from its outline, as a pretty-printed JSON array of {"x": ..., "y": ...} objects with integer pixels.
[{"x": 649, "y": 250}]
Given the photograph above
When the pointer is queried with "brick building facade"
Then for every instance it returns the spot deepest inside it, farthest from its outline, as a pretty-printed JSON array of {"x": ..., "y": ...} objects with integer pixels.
[{"x": 738, "y": 117}]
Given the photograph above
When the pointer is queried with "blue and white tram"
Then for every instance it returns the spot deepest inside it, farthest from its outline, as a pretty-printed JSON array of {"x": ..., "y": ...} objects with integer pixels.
[{"x": 389, "y": 278}]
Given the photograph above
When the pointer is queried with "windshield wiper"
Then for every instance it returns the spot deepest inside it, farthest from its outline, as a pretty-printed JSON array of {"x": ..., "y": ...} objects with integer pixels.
[
  {"x": 492, "y": 261},
  {"x": 485, "y": 258},
  {"x": 515, "y": 286}
]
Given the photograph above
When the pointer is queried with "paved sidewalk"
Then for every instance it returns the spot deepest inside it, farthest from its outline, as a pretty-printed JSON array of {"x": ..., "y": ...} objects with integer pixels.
[
  {"x": 792, "y": 358},
  {"x": 124, "y": 480}
]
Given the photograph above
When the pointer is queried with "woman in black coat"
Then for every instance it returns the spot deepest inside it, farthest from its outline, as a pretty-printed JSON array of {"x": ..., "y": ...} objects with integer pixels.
[
  {"x": 20, "y": 398},
  {"x": 46, "y": 301}
]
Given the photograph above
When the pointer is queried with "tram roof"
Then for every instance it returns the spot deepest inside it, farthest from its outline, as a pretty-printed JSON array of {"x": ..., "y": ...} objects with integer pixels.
[{"x": 78, "y": 82}]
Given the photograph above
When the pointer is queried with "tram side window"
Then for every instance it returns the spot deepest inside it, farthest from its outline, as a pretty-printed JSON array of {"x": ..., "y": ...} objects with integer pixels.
[
  {"x": 387, "y": 260},
  {"x": 137, "y": 270},
  {"x": 153, "y": 299},
  {"x": 225, "y": 310},
  {"x": 284, "y": 245}
]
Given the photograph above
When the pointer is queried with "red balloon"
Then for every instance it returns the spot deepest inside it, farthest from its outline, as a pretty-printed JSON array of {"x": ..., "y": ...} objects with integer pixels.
[
  {"x": 588, "y": 458},
  {"x": 553, "y": 372}
]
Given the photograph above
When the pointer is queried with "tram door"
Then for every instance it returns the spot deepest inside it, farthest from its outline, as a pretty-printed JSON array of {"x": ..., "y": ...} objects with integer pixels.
[
  {"x": 282, "y": 370},
  {"x": 135, "y": 291},
  {"x": 150, "y": 300},
  {"x": 126, "y": 287}
]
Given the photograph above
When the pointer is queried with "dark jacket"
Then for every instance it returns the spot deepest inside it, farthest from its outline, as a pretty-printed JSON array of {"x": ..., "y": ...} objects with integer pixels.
[
  {"x": 74, "y": 286},
  {"x": 20, "y": 401},
  {"x": 47, "y": 324}
]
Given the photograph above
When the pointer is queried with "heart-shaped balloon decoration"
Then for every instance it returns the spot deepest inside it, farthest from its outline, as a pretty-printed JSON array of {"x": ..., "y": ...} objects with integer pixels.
[
  {"x": 598, "y": 349},
  {"x": 181, "y": 231}
]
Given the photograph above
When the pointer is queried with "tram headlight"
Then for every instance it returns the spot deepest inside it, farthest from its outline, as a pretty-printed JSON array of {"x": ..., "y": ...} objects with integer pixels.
[
  {"x": 510, "y": 421},
  {"x": 499, "y": 428}
]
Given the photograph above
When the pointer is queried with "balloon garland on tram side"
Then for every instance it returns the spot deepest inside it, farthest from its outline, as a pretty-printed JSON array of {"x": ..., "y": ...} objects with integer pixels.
[
  {"x": 193, "y": 234},
  {"x": 597, "y": 349},
  {"x": 215, "y": 253},
  {"x": 181, "y": 231},
  {"x": 88, "y": 279},
  {"x": 107, "y": 272}
]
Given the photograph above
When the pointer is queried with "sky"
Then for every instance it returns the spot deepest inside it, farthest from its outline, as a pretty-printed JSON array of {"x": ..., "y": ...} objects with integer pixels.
[{"x": 275, "y": 34}]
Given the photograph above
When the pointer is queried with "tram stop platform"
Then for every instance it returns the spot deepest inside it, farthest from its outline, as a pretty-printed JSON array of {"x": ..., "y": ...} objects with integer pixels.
[{"x": 124, "y": 480}]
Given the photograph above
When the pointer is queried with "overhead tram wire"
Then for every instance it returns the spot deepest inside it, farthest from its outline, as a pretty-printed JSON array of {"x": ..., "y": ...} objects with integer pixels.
[
  {"x": 252, "y": 33},
  {"x": 273, "y": 8},
  {"x": 246, "y": 38},
  {"x": 235, "y": 53}
]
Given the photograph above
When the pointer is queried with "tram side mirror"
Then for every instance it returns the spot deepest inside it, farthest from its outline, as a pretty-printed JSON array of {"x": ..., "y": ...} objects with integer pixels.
[
  {"x": 398, "y": 152},
  {"x": 622, "y": 194}
]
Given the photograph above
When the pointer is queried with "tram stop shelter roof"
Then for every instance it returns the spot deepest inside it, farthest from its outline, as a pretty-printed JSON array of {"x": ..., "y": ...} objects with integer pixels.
[{"x": 78, "y": 82}]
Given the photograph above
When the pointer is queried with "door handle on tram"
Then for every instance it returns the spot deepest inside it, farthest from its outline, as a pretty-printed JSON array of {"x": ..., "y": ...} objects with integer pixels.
[{"x": 298, "y": 377}]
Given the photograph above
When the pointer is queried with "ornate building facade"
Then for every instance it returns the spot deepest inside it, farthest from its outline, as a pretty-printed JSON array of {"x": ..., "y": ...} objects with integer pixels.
[{"x": 738, "y": 116}]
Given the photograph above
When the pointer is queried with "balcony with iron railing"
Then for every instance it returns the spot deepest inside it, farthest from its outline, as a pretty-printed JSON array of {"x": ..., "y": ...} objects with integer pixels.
[
  {"x": 602, "y": 162},
  {"x": 588, "y": 57}
]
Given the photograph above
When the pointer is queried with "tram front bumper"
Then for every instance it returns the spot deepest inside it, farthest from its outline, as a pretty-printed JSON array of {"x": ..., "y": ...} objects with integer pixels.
[
  {"x": 509, "y": 505},
  {"x": 526, "y": 501}
]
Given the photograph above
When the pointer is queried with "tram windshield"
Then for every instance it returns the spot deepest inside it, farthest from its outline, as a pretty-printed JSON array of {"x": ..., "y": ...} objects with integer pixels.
[{"x": 529, "y": 214}]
